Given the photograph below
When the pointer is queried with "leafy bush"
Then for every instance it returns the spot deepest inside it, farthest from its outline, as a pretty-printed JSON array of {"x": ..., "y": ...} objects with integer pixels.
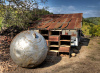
[
  {"x": 20, "y": 17},
  {"x": 1, "y": 19},
  {"x": 90, "y": 29},
  {"x": 86, "y": 29},
  {"x": 95, "y": 30},
  {"x": 95, "y": 20}
]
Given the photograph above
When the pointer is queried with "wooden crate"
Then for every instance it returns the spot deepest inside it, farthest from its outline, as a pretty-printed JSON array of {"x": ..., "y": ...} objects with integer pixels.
[
  {"x": 53, "y": 38},
  {"x": 64, "y": 49}
]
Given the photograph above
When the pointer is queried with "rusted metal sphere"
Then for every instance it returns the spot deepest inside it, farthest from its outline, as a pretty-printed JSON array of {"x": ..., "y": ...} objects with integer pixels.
[{"x": 28, "y": 49}]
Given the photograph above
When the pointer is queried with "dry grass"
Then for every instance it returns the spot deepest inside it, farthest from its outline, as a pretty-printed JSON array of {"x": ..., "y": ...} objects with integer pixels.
[{"x": 87, "y": 61}]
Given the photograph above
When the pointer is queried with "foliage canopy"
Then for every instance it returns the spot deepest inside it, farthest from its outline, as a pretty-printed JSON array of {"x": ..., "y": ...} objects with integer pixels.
[
  {"x": 21, "y": 12},
  {"x": 90, "y": 28}
]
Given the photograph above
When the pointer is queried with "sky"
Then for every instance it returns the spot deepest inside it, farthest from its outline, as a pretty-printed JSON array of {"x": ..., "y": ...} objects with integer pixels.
[{"x": 89, "y": 8}]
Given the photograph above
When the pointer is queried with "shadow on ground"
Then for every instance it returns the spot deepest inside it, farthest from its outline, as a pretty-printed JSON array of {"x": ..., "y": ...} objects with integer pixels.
[
  {"x": 49, "y": 61},
  {"x": 84, "y": 42}
]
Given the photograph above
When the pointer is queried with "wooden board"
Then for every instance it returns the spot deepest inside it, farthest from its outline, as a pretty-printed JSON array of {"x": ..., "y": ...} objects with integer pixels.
[
  {"x": 53, "y": 38},
  {"x": 64, "y": 49}
]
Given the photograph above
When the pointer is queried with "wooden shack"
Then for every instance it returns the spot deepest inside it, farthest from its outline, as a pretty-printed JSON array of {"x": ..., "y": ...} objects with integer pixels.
[{"x": 61, "y": 31}]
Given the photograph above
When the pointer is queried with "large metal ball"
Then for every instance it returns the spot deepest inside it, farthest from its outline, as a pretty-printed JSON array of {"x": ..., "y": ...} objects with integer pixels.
[{"x": 28, "y": 49}]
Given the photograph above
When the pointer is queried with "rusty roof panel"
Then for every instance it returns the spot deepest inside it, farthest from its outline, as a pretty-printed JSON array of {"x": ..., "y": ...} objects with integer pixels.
[
  {"x": 52, "y": 26},
  {"x": 79, "y": 19},
  {"x": 58, "y": 20},
  {"x": 79, "y": 15},
  {"x": 40, "y": 25},
  {"x": 66, "y": 21},
  {"x": 74, "y": 16},
  {"x": 63, "y": 19},
  {"x": 65, "y": 16},
  {"x": 47, "y": 25},
  {"x": 58, "y": 25},
  {"x": 71, "y": 25},
  {"x": 64, "y": 25},
  {"x": 78, "y": 25},
  {"x": 70, "y": 15},
  {"x": 54, "y": 20},
  {"x": 73, "y": 20}
]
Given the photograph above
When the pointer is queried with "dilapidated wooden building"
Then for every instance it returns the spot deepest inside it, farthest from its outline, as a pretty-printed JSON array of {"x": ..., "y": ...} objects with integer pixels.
[{"x": 61, "y": 31}]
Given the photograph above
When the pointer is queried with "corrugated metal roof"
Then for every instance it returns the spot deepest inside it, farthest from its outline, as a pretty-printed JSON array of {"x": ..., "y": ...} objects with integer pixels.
[{"x": 61, "y": 21}]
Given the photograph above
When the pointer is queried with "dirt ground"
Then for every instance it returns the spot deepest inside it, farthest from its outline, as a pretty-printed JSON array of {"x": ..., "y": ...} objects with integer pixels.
[{"x": 86, "y": 61}]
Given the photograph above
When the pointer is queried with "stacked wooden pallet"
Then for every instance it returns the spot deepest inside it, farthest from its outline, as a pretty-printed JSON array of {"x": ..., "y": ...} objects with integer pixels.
[{"x": 56, "y": 41}]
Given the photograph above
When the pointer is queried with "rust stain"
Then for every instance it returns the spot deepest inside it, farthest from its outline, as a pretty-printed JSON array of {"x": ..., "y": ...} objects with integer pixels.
[
  {"x": 64, "y": 25},
  {"x": 52, "y": 26},
  {"x": 56, "y": 20},
  {"x": 73, "y": 34},
  {"x": 71, "y": 25},
  {"x": 58, "y": 25}
]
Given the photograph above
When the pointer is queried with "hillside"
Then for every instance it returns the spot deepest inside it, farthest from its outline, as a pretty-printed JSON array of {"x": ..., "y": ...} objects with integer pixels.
[
  {"x": 91, "y": 26},
  {"x": 94, "y": 20}
]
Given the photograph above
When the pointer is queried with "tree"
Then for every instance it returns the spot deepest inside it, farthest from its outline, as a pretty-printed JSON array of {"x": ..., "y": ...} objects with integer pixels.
[{"x": 20, "y": 12}]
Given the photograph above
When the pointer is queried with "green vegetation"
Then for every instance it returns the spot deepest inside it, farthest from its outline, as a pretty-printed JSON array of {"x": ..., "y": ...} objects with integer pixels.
[
  {"x": 89, "y": 27},
  {"x": 21, "y": 18},
  {"x": 1, "y": 19},
  {"x": 86, "y": 28},
  {"x": 98, "y": 42},
  {"x": 95, "y": 20},
  {"x": 23, "y": 14}
]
